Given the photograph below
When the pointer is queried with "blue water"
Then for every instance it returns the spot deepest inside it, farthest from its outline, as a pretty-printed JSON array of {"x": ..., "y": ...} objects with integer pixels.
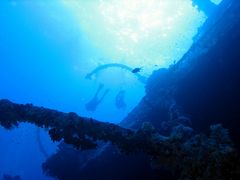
[{"x": 44, "y": 58}]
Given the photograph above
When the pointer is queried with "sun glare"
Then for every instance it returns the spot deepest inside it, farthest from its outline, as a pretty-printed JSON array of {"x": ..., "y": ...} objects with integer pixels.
[{"x": 138, "y": 32}]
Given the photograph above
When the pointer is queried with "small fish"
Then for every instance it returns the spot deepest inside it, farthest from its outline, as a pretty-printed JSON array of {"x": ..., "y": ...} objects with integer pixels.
[{"x": 136, "y": 70}]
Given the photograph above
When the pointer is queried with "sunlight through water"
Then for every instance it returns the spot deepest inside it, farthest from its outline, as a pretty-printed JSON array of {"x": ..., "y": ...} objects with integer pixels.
[{"x": 152, "y": 33}]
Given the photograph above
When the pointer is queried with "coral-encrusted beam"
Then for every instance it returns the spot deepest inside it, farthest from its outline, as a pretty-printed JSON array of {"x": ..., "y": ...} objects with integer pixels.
[
  {"x": 193, "y": 156},
  {"x": 73, "y": 129}
]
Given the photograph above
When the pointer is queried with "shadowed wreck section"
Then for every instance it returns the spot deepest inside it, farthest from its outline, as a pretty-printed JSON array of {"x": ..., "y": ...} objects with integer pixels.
[{"x": 201, "y": 156}]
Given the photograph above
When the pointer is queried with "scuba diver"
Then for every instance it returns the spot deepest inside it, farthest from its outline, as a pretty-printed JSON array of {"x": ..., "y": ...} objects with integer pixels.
[
  {"x": 119, "y": 100},
  {"x": 136, "y": 70},
  {"x": 95, "y": 101}
]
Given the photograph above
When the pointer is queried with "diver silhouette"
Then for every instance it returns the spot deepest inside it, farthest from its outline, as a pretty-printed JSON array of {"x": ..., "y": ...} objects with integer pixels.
[
  {"x": 119, "y": 100},
  {"x": 95, "y": 101}
]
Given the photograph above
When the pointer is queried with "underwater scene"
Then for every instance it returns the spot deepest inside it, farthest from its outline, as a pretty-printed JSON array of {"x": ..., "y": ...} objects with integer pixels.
[{"x": 119, "y": 89}]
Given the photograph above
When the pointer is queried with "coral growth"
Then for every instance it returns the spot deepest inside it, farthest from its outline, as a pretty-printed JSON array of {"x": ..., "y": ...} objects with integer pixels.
[{"x": 194, "y": 156}]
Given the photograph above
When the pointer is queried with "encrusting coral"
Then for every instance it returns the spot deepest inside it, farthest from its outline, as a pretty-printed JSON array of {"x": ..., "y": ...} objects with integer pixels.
[{"x": 194, "y": 156}]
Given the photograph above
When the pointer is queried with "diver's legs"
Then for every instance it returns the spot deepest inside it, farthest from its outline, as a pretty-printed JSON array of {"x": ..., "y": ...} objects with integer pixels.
[
  {"x": 105, "y": 93},
  {"x": 120, "y": 100},
  {"x": 92, "y": 104},
  {"x": 99, "y": 89}
]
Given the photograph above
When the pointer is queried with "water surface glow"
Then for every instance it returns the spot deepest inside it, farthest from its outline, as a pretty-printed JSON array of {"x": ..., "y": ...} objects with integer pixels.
[{"x": 138, "y": 32}]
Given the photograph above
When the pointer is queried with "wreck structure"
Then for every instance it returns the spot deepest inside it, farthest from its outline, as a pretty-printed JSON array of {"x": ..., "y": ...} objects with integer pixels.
[{"x": 169, "y": 125}]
